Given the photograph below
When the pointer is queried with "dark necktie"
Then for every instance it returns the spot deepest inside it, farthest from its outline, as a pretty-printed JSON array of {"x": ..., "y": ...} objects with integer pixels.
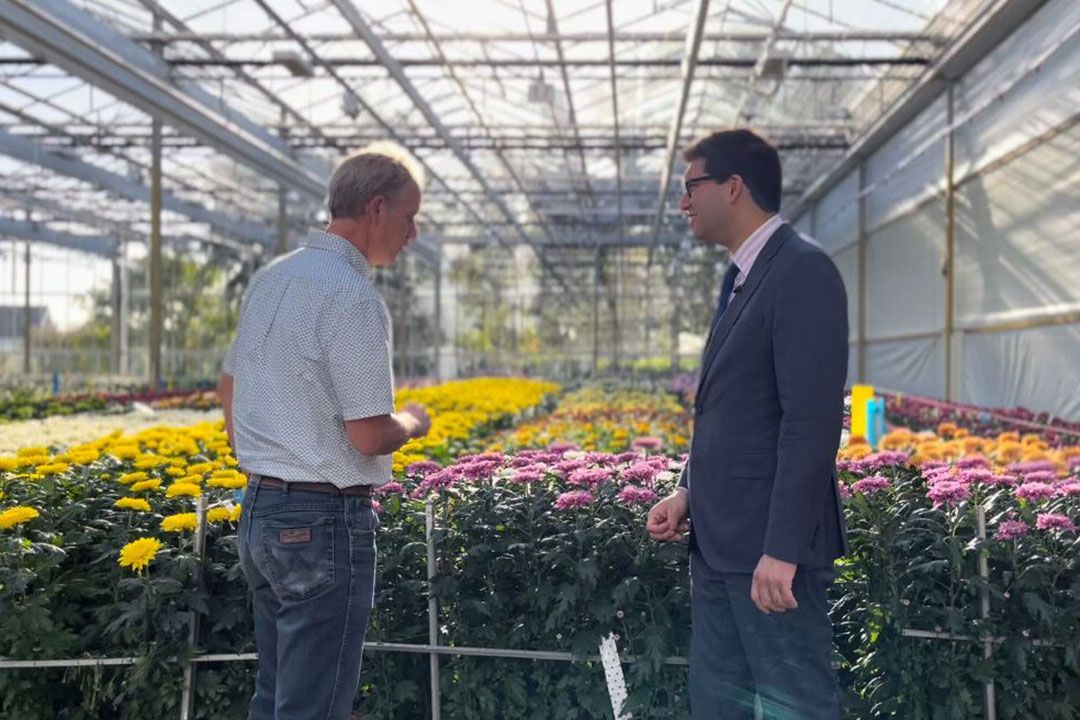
[{"x": 726, "y": 288}]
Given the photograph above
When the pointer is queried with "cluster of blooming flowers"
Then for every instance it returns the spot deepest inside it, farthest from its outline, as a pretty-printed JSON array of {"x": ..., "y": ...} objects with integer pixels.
[
  {"x": 1035, "y": 482},
  {"x": 581, "y": 473}
]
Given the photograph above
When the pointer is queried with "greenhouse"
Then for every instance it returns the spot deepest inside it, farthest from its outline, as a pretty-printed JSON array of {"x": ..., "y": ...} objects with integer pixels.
[{"x": 567, "y": 303}]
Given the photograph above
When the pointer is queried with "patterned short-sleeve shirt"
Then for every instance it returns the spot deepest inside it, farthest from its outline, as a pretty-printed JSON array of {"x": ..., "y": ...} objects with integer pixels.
[{"x": 312, "y": 351}]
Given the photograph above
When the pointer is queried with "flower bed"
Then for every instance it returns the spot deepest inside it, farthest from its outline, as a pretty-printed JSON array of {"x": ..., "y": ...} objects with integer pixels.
[
  {"x": 607, "y": 419},
  {"x": 914, "y": 522},
  {"x": 919, "y": 413},
  {"x": 542, "y": 546}
]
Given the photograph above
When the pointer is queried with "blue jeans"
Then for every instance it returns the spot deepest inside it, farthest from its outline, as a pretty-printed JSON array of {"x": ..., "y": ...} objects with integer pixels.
[
  {"x": 738, "y": 653},
  {"x": 309, "y": 559}
]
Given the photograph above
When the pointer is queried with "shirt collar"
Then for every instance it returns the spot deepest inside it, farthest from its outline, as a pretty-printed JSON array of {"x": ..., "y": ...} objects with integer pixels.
[
  {"x": 747, "y": 253},
  {"x": 322, "y": 240}
]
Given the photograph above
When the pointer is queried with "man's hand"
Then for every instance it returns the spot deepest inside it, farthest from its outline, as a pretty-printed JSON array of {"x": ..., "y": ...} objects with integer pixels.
[
  {"x": 771, "y": 589},
  {"x": 420, "y": 415},
  {"x": 667, "y": 519}
]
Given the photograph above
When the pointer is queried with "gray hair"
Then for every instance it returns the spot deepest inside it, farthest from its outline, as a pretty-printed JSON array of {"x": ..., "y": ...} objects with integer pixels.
[{"x": 364, "y": 176}]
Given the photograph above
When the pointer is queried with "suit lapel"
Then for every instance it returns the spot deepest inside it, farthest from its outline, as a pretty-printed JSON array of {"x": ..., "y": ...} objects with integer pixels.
[{"x": 735, "y": 307}]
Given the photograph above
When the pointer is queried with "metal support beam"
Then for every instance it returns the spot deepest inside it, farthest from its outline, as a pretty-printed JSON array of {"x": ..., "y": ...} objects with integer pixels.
[
  {"x": 157, "y": 322},
  {"x": 74, "y": 40},
  {"x": 571, "y": 113},
  {"x": 479, "y": 120},
  {"x": 689, "y": 64},
  {"x": 426, "y": 62},
  {"x": 438, "y": 323},
  {"x": 615, "y": 118},
  {"x": 950, "y": 243},
  {"x": 28, "y": 317},
  {"x": 863, "y": 284},
  {"x": 829, "y": 36},
  {"x": 28, "y": 151},
  {"x": 364, "y": 31},
  {"x": 33, "y": 232},
  {"x": 759, "y": 66},
  {"x": 121, "y": 297}
]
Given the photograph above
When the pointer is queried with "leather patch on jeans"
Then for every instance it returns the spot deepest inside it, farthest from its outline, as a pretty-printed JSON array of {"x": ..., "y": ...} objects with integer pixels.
[{"x": 293, "y": 537}]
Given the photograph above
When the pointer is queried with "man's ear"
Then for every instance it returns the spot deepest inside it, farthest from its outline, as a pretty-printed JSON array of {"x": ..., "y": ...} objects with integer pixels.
[
  {"x": 375, "y": 207},
  {"x": 736, "y": 189}
]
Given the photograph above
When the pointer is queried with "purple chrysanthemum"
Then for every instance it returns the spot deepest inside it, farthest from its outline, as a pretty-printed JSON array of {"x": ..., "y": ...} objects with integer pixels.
[
  {"x": 1055, "y": 521},
  {"x": 948, "y": 492},
  {"x": 647, "y": 443},
  {"x": 589, "y": 477},
  {"x": 634, "y": 495},
  {"x": 423, "y": 468},
  {"x": 573, "y": 499},
  {"x": 1033, "y": 491},
  {"x": 871, "y": 485},
  {"x": 1011, "y": 529}
]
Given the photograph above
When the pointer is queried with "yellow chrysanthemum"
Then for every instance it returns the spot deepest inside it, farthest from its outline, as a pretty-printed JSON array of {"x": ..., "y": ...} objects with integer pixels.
[
  {"x": 52, "y": 469},
  {"x": 8, "y": 464},
  {"x": 32, "y": 451},
  {"x": 216, "y": 515},
  {"x": 234, "y": 516},
  {"x": 183, "y": 490},
  {"x": 148, "y": 462},
  {"x": 129, "y": 503},
  {"x": 151, "y": 484},
  {"x": 17, "y": 516},
  {"x": 137, "y": 554},
  {"x": 231, "y": 483},
  {"x": 175, "y": 472},
  {"x": 132, "y": 477},
  {"x": 124, "y": 452},
  {"x": 200, "y": 468},
  {"x": 35, "y": 460},
  {"x": 179, "y": 522}
]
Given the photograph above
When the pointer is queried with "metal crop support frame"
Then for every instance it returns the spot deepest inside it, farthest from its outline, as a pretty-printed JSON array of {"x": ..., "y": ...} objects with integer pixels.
[{"x": 435, "y": 651}]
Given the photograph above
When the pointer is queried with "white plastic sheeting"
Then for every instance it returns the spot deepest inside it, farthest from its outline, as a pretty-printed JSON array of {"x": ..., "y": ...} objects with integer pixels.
[
  {"x": 1017, "y": 229},
  {"x": 847, "y": 262},
  {"x": 905, "y": 284},
  {"x": 913, "y": 366},
  {"x": 1018, "y": 237},
  {"x": 1015, "y": 100},
  {"x": 837, "y": 222},
  {"x": 909, "y": 168},
  {"x": 1034, "y": 368}
]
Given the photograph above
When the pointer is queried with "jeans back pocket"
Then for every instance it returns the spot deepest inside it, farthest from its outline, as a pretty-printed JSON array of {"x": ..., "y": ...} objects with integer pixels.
[{"x": 299, "y": 555}]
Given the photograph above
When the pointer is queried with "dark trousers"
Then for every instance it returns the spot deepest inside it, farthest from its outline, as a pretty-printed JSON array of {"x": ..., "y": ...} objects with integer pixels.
[
  {"x": 309, "y": 558},
  {"x": 738, "y": 653}
]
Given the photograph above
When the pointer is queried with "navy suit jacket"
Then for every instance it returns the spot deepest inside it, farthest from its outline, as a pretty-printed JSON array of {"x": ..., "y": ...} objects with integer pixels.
[{"x": 768, "y": 415}]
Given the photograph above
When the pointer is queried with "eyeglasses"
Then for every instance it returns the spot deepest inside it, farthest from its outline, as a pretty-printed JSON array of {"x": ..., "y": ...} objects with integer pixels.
[{"x": 690, "y": 183}]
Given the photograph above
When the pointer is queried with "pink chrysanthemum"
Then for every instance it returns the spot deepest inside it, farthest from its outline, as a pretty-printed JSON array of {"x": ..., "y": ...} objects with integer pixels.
[
  {"x": 947, "y": 492},
  {"x": 1011, "y": 530},
  {"x": 634, "y": 495},
  {"x": 871, "y": 485},
  {"x": 573, "y": 499},
  {"x": 1055, "y": 521}
]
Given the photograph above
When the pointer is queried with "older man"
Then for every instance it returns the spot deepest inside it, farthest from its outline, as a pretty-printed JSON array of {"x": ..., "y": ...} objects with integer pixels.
[{"x": 307, "y": 390}]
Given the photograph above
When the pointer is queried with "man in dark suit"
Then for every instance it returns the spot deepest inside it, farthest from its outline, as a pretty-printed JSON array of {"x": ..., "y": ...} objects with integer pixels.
[{"x": 758, "y": 493}]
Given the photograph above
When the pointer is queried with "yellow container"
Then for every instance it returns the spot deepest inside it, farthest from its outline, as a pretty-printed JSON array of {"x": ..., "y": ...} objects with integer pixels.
[{"x": 860, "y": 394}]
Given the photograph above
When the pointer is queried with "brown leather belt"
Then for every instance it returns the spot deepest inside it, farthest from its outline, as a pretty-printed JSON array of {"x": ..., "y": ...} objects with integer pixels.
[{"x": 316, "y": 487}]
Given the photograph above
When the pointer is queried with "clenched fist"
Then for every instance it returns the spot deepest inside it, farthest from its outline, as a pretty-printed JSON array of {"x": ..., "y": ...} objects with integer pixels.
[{"x": 668, "y": 518}]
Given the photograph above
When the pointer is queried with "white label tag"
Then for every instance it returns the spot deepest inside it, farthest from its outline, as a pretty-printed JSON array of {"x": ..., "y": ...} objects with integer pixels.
[{"x": 616, "y": 683}]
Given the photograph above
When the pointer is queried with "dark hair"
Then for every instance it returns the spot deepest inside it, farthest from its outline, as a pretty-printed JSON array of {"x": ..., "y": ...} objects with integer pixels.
[{"x": 746, "y": 154}]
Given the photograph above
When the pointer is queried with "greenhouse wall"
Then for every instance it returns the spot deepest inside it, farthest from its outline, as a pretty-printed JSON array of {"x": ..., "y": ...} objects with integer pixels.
[{"x": 1015, "y": 232}]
